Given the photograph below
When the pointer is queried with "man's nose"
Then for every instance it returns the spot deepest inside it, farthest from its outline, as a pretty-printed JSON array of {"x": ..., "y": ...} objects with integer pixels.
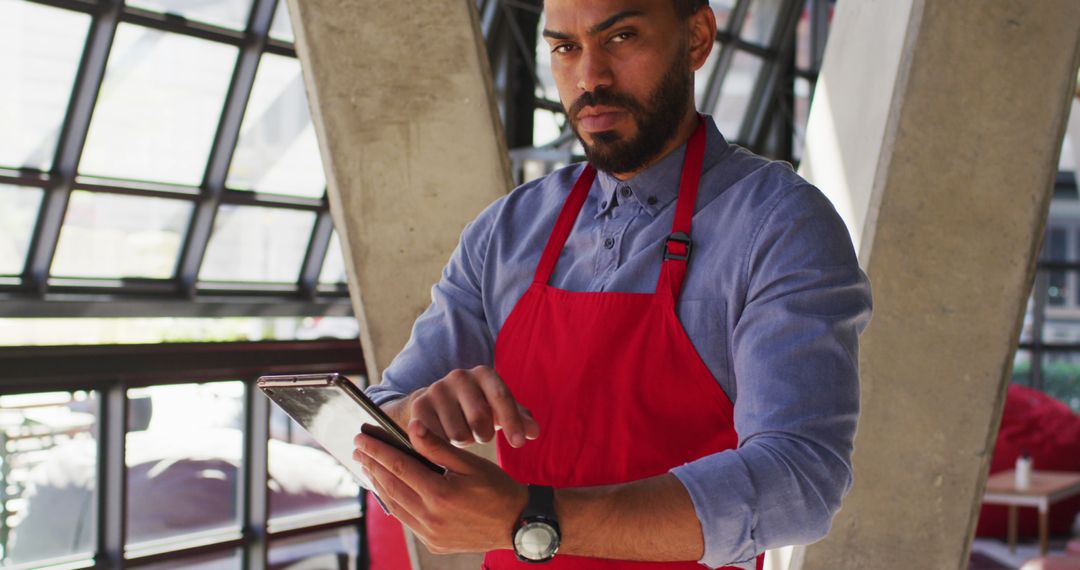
[{"x": 594, "y": 71}]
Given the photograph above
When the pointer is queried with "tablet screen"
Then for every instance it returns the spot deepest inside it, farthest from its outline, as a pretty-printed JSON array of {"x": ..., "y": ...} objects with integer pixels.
[{"x": 333, "y": 411}]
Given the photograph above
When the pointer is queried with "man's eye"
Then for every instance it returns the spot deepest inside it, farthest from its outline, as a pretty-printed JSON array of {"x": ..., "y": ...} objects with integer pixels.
[
  {"x": 622, "y": 37},
  {"x": 563, "y": 48}
]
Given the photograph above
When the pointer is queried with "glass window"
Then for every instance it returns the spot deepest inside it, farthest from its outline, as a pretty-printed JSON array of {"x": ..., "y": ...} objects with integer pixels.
[
  {"x": 158, "y": 108},
  {"x": 83, "y": 331},
  {"x": 722, "y": 9},
  {"x": 17, "y": 218},
  {"x": 41, "y": 47},
  {"x": 184, "y": 452},
  {"x": 329, "y": 550},
  {"x": 1057, "y": 244},
  {"x": 761, "y": 20},
  {"x": 333, "y": 269},
  {"x": 112, "y": 236},
  {"x": 735, "y": 93},
  {"x": 306, "y": 483},
  {"x": 277, "y": 151},
  {"x": 231, "y": 560},
  {"x": 48, "y": 463},
  {"x": 803, "y": 92},
  {"x": 226, "y": 13},
  {"x": 1021, "y": 373},
  {"x": 281, "y": 27},
  {"x": 1060, "y": 377},
  {"x": 257, "y": 244}
]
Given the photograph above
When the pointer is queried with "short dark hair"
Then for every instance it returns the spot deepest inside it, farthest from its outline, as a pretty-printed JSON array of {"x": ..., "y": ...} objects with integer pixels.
[{"x": 686, "y": 8}]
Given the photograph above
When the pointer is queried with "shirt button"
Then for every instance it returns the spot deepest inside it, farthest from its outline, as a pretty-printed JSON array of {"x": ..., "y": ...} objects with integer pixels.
[
  {"x": 625, "y": 191},
  {"x": 609, "y": 243},
  {"x": 652, "y": 200}
]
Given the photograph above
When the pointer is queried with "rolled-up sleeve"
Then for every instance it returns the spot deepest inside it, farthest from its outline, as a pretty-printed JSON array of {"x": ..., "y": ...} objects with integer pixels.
[
  {"x": 453, "y": 331},
  {"x": 795, "y": 361}
]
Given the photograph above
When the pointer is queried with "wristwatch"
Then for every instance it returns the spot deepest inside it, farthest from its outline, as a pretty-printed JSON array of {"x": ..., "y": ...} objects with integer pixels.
[{"x": 536, "y": 534}]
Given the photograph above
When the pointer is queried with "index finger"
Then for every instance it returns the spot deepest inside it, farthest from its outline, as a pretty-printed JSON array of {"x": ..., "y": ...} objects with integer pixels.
[
  {"x": 400, "y": 464},
  {"x": 503, "y": 404}
]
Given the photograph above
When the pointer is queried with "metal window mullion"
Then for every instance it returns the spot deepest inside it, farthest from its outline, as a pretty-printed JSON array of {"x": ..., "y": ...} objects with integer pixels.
[
  {"x": 69, "y": 147},
  {"x": 315, "y": 256},
  {"x": 217, "y": 168},
  {"x": 753, "y": 124},
  {"x": 253, "y": 495},
  {"x": 727, "y": 53},
  {"x": 819, "y": 32},
  {"x": 111, "y": 477}
]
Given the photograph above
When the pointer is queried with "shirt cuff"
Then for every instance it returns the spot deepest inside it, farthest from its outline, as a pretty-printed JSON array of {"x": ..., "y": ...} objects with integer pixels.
[
  {"x": 724, "y": 506},
  {"x": 382, "y": 395}
]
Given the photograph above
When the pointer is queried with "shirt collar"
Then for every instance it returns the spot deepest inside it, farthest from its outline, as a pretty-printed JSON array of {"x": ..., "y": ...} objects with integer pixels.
[{"x": 658, "y": 185}]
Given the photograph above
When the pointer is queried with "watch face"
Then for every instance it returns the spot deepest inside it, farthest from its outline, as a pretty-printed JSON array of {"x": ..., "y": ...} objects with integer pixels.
[{"x": 536, "y": 541}]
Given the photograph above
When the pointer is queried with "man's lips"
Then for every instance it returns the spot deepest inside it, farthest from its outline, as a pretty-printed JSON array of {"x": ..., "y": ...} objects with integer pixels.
[{"x": 596, "y": 119}]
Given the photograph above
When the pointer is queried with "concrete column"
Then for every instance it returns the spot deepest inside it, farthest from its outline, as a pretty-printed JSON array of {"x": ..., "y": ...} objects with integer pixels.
[
  {"x": 401, "y": 96},
  {"x": 936, "y": 129}
]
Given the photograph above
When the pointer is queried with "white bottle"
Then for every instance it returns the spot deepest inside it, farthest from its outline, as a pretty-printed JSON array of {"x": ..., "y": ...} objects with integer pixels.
[{"x": 1023, "y": 471}]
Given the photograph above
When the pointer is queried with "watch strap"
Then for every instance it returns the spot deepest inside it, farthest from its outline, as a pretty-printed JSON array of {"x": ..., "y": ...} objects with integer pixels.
[{"x": 541, "y": 503}]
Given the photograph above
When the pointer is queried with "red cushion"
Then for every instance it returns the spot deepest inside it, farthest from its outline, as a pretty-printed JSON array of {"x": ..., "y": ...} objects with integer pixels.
[{"x": 1050, "y": 432}]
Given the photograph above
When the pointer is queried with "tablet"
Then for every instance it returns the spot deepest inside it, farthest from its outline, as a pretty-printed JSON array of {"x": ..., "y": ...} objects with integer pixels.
[{"x": 333, "y": 410}]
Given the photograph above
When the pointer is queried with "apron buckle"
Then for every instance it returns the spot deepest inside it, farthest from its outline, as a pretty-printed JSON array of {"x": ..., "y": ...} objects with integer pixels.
[{"x": 681, "y": 238}]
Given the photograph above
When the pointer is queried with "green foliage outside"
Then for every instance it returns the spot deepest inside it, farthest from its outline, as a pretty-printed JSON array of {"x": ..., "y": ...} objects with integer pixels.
[{"x": 1060, "y": 379}]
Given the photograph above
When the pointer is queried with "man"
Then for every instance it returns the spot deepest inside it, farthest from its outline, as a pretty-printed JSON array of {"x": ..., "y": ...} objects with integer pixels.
[{"x": 667, "y": 338}]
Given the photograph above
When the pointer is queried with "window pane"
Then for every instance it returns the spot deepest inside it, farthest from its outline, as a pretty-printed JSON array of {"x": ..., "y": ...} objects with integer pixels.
[
  {"x": 305, "y": 481},
  {"x": 184, "y": 451},
  {"x": 41, "y": 47},
  {"x": 83, "y": 331},
  {"x": 226, "y": 13},
  {"x": 277, "y": 151},
  {"x": 212, "y": 561},
  {"x": 1060, "y": 377},
  {"x": 333, "y": 269},
  {"x": 722, "y": 9},
  {"x": 281, "y": 27},
  {"x": 112, "y": 236},
  {"x": 48, "y": 458},
  {"x": 329, "y": 550},
  {"x": 802, "y": 114},
  {"x": 1021, "y": 373},
  {"x": 735, "y": 93},
  {"x": 761, "y": 21},
  {"x": 1056, "y": 250},
  {"x": 159, "y": 107},
  {"x": 17, "y": 218},
  {"x": 257, "y": 244}
]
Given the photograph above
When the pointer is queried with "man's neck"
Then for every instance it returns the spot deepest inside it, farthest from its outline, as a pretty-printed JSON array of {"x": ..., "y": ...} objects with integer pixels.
[{"x": 686, "y": 128}]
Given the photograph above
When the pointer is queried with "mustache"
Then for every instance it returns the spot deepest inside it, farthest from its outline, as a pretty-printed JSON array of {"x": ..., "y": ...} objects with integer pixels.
[{"x": 605, "y": 97}]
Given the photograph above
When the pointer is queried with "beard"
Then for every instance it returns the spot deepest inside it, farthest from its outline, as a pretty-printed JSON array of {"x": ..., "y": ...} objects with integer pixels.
[{"x": 657, "y": 121}]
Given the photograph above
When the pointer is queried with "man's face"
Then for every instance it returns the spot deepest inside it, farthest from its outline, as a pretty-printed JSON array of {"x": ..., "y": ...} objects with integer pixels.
[{"x": 624, "y": 71}]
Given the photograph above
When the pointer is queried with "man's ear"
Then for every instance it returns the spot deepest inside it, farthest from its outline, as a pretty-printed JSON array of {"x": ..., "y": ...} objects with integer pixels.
[{"x": 702, "y": 27}]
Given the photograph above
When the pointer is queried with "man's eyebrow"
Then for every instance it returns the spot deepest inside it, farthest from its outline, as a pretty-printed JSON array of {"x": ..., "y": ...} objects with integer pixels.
[{"x": 596, "y": 28}]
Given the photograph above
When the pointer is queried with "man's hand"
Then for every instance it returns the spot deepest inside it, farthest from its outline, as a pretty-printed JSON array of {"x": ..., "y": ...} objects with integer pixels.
[
  {"x": 466, "y": 407},
  {"x": 472, "y": 508}
]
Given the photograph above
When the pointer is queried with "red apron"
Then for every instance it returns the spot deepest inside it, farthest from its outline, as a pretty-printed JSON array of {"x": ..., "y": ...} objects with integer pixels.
[{"x": 612, "y": 378}]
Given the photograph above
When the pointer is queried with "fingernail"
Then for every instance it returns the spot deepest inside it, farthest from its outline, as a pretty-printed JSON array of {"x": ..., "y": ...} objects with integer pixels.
[
  {"x": 517, "y": 440},
  {"x": 359, "y": 442}
]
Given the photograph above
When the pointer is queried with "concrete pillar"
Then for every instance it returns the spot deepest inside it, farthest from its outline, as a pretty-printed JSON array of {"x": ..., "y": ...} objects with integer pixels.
[
  {"x": 935, "y": 129},
  {"x": 401, "y": 96}
]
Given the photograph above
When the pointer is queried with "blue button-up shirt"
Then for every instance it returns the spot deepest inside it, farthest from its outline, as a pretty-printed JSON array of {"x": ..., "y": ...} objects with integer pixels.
[{"x": 773, "y": 301}]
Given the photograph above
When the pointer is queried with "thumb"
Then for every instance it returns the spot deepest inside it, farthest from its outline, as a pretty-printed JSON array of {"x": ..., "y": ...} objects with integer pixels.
[{"x": 437, "y": 449}]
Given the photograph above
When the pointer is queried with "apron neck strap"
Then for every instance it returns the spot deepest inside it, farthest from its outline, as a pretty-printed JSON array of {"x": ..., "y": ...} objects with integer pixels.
[
  {"x": 677, "y": 246},
  {"x": 564, "y": 224}
]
